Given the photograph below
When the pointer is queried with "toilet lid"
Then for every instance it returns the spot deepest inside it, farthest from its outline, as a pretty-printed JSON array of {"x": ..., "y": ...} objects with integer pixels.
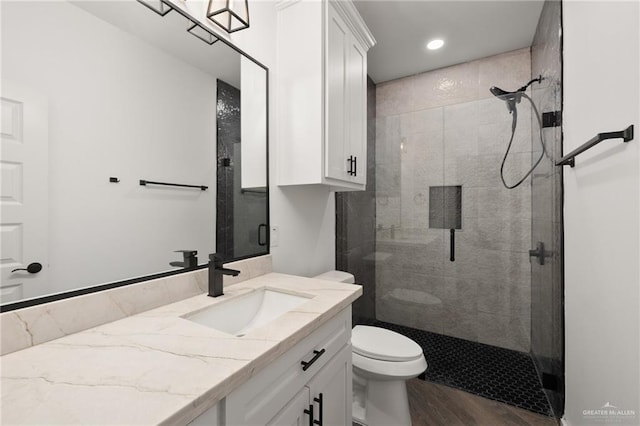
[{"x": 382, "y": 344}]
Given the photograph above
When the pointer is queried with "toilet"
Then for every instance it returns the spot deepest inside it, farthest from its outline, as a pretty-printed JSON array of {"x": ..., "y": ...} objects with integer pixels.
[{"x": 383, "y": 361}]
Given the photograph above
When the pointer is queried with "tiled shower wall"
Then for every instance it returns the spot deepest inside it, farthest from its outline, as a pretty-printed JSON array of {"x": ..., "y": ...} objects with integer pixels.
[{"x": 444, "y": 128}]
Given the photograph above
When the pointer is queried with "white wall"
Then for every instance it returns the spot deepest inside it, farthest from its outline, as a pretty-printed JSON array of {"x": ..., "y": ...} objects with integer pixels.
[
  {"x": 111, "y": 113},
  {"x": 602, "y": 215},
  {"x": 305, "y": 215}
]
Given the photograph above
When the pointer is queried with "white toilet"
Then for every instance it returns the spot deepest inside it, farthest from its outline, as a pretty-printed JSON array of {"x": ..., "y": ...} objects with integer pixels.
[{"x": 383, "y": 361}]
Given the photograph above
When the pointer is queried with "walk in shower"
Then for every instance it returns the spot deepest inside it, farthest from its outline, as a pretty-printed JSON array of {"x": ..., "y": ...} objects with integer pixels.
[{"x": 448, "y": 253}]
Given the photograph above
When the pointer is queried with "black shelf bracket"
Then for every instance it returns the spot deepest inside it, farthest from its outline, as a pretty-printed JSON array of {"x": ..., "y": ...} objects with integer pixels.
[
  {"x": 626, "y": 135},
  {"x": 149, "y": 182}
]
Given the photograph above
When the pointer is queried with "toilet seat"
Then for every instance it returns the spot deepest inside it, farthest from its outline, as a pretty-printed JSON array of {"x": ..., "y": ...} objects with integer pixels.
[
  {"x": 385, "y": 355},
  {"x": 384, "y": 345},
  {"x": 370, "y": 368}
]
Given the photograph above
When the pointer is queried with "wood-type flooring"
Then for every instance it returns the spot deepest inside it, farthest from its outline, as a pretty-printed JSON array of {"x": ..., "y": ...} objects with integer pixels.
[{"x": 433, "y": 404}]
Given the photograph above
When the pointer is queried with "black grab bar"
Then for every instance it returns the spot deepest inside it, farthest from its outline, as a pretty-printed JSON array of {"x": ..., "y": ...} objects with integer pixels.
[{"x": 569, "y": 159}]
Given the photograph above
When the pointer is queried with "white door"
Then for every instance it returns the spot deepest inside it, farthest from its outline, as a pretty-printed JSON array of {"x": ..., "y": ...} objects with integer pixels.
[{"x": 24, "y": 162}]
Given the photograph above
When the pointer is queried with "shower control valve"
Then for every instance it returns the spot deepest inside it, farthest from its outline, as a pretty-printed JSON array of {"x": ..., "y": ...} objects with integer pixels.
[{"x": 540, "y": 253}]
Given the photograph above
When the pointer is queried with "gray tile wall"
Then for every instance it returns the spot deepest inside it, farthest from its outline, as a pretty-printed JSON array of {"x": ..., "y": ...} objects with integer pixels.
[
  {"x": 445, "y": 128},
  {"x": 547, "y": 336}
]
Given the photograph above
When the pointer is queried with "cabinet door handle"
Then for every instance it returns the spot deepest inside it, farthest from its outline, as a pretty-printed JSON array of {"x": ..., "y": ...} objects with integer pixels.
[
  {"x": 355, "y": 166},
  {"x": 350, "y": 161},
  {"x": 310, "y": 413},
  {"x": 307, "y": 364},
  {"x": 320, "y": 407}
]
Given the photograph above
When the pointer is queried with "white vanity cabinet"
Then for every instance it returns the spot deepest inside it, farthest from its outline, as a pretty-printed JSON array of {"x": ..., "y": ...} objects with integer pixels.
[
  {"x": 285, "y": 393},
  {"x": 325, "y": 399},
  {"x": 322, "y": 94}
]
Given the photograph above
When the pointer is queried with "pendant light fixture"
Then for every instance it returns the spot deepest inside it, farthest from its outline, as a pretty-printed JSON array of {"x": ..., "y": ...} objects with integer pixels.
[
  {"x": 230, "y": 15},
  {"x": 158, "y": 6}
]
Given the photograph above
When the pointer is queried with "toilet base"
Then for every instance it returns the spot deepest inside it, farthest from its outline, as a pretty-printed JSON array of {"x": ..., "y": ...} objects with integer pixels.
[{"x": 380, "y": 403}]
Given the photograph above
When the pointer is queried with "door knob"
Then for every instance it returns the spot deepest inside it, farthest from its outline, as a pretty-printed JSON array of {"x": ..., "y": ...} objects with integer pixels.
[{"x": 33, "y": 268}]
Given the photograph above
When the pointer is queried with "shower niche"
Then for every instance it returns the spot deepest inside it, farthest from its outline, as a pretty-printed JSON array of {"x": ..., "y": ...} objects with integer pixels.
[
  {"x": 445, "y": 212},
  {"x": 445, "y": 207}
]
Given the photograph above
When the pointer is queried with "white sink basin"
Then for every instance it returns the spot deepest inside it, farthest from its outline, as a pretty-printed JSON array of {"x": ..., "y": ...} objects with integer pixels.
[{"x": 242, "y": 314}]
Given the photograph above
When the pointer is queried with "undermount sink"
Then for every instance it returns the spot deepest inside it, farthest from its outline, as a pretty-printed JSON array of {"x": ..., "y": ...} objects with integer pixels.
[{"x": 242, "y": 314}]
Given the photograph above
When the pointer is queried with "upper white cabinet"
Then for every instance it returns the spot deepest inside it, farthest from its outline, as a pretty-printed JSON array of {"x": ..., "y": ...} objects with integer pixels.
[{"x": 322, "y": 94}]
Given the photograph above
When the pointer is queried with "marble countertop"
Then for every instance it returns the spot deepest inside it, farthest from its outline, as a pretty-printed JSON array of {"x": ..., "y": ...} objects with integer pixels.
[{"x": 157, "y": 367}]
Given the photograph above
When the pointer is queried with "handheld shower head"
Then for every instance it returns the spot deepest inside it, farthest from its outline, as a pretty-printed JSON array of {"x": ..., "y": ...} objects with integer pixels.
[
  {"x": 511, "y": 98},
  {"x": 498, "y": 92}
]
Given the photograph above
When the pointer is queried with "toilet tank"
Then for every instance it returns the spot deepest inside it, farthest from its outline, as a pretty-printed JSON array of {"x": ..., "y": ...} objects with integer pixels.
[{"x": 339, "y": 276}]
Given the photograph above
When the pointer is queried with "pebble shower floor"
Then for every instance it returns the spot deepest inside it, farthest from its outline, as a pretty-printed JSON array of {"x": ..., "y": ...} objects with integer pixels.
[{"x": 491, "y": 372}]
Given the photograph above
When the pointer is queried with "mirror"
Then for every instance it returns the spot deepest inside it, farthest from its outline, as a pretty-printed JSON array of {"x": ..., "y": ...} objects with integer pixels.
[{"x": 99, "y": 96}]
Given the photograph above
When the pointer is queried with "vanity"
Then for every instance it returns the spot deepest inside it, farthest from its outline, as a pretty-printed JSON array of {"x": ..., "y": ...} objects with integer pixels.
[{"x": 163, "y": 366}]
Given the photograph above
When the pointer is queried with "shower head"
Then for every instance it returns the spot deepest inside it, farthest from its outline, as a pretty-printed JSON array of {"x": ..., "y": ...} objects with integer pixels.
[
  {"x": 511, "y": 98},
  {"x": 498, "y": 92}
]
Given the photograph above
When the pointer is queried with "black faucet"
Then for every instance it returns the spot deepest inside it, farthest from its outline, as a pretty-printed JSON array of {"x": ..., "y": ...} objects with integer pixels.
[
  {"x": 216, "y": 271},
  {"x": 190, "y": 259}
]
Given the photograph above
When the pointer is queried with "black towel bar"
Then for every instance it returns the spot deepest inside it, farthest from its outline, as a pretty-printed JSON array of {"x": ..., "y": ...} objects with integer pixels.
[
  {"x": 150, "y": 182},
  {"x": 626, "y": 135}
]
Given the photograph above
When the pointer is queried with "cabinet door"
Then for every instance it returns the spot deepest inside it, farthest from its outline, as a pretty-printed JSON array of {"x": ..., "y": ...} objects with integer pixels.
[
  {"x": 336, "y": 149},
  {"x": 211, "y": 417},
  {"x": 331, "y": 390},
  {"x": 293, "y": 414},
  {"x": 356, "y": 73}
]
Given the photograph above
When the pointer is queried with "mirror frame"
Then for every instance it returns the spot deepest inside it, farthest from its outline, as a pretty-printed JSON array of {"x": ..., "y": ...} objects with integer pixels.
[{"x": 115, "y": 284}]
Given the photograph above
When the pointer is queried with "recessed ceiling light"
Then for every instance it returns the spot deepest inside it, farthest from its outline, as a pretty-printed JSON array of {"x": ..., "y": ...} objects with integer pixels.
[{"x": 435, "y": 44}]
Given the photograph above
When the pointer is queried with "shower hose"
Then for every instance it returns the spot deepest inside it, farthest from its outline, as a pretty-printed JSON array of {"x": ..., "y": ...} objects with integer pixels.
[{"x": 514, "y": 123}]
